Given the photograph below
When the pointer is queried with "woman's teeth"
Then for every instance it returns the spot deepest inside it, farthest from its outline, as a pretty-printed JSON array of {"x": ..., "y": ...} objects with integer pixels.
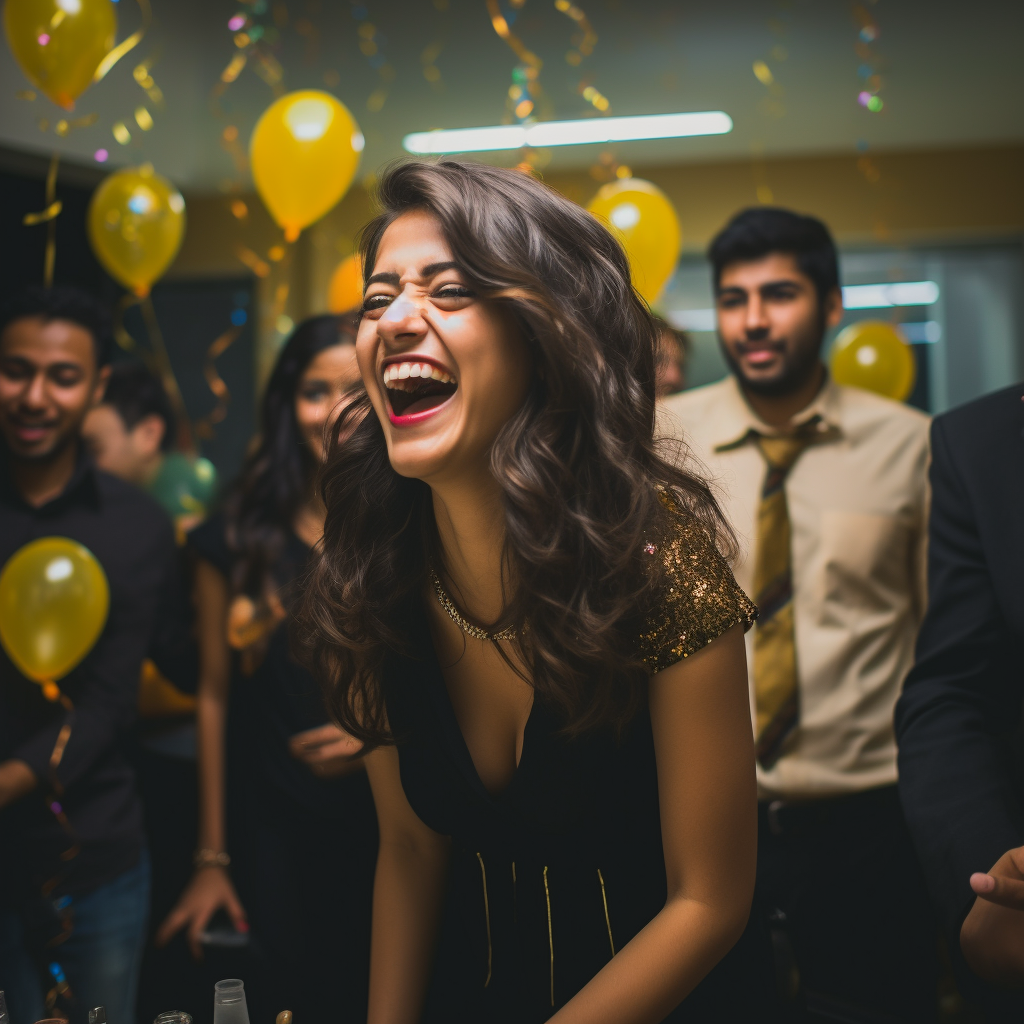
[{"x": 396, "y": 373}]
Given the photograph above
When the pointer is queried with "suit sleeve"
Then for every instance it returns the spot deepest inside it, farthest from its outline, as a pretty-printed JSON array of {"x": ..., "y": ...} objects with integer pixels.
[
  {"x": 104, "y": 688},
  {"x": 958, "y": 704}
]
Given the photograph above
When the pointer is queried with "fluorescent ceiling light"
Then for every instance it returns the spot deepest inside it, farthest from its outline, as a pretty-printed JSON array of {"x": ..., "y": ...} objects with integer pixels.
[
  {"x": 880, "y": 296},
  {"x": 928, "y": 332},
  {"x": 693, "y": 319},
  {"x": 568, "y": 133}
]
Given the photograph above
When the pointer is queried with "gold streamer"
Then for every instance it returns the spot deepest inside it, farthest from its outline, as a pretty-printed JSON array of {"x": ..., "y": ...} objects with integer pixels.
[
  {"x": 585, "y": 47},
  {"x": 166, "y": 372},
  {"x": 501, "y": 26},
  {"x": 156, "y": 359},
  {"x": 40, "y": 218},
  {"x": 204, "y": 427},
  {"x": 126, "y": 44},
  {"x": 49, "y": 218}
]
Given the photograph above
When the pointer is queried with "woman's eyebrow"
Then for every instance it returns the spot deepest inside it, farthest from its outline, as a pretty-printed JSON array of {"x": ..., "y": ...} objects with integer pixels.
[
  {"x": 384, "y": 278},
  {"x": 387, "y": 277},
  {"x": 436, "y": 268}
]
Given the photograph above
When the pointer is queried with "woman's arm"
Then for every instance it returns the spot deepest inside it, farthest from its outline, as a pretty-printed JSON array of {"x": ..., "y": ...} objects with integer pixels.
[
  {"x": 210, "y": 887},
  {"x": 705, "y": 753},
  {"x": 407, "y": 893}
]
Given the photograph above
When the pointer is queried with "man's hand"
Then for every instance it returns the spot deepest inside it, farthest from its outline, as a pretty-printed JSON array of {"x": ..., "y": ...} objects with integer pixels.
[
  {"x": 16, "y": 779},
  {"x": 992, "y": 936},
  {"x": 327, "y": 750}
]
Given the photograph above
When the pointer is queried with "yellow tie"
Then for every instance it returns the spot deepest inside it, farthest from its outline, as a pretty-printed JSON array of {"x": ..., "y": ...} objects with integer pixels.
[{"x": 776, "y": 687}]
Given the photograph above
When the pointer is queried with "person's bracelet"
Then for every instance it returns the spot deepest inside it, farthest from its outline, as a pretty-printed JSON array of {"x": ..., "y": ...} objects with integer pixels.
[{"x": 211, "y": 859}]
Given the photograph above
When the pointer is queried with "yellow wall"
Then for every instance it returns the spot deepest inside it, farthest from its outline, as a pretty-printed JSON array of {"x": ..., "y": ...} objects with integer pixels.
[{"x": 896, "y": 197}]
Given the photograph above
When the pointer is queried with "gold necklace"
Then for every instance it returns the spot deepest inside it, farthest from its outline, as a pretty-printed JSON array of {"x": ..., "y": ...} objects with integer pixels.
[{"x": 456, "y": 616}]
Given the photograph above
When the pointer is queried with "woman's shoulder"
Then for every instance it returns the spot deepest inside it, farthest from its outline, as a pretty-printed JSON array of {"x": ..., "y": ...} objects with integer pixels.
[{"x": 697, "y": 597}]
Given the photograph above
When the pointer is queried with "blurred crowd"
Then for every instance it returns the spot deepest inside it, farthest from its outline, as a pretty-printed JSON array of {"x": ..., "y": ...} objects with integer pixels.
[{"x": 198, "y": 815}]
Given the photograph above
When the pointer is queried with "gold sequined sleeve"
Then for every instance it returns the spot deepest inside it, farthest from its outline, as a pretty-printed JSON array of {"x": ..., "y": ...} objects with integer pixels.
[{"x": 700, "y": 597}]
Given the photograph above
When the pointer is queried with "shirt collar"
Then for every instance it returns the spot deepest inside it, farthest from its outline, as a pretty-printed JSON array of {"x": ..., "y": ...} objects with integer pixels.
[
  {"x": 735, "y": 420},
  {"x": 80, "y": 489}
]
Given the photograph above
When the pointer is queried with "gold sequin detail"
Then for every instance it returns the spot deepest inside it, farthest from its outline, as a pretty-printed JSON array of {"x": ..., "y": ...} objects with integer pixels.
[{"x": 701, "y": 598}]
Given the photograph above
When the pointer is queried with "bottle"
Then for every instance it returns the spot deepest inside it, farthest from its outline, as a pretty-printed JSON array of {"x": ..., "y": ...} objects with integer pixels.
[
  {"x": 173, "y": 1017},
  {"x": 98, "y": 1015},
  {"x": 229, "y": 1002},
  {"x": 4, "y": 1018}
]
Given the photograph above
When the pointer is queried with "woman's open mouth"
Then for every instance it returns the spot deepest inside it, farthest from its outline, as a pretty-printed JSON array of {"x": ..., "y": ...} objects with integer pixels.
[{"x": 416, "y": 388}]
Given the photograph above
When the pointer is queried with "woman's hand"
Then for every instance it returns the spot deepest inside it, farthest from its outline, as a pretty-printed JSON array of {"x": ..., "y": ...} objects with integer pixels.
[
  {"x": 209, "y": 891},
  {"x": 328, "y": 751}
]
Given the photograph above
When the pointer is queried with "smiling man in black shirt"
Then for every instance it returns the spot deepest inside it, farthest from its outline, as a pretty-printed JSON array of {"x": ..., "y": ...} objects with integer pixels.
[{"x": 73, "y": 894}]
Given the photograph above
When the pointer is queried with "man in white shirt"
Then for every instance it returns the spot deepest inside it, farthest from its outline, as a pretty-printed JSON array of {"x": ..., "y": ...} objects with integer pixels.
[{"x": 826, "y": 489}]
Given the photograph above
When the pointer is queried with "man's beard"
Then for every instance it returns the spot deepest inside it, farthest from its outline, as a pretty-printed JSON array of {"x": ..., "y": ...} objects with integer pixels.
[
  {"x": 59, "y": 446},
  {"x": 798, "y": 367}
]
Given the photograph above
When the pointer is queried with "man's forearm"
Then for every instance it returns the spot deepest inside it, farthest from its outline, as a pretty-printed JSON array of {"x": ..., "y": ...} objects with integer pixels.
[{"x": 16, "y": 779}]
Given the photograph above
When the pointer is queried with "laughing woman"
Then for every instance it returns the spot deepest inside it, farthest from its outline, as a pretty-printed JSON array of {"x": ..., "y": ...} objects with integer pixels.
[{"x": 522, "y": 610}]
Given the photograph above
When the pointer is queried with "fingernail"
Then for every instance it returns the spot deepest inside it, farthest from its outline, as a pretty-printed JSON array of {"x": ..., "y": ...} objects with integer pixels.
[
  {"x": 243, "y": 926},
  {"x": 982, "y": 883}
]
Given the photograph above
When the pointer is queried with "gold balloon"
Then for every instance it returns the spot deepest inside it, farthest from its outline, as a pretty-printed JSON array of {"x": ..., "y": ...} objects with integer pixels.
[
  {"x": 641, "y": 217},
  {"x": 60, "y": 43},
  {"x": 53, "y": 606},
  {"x": 136, "y": 224},
  {"x": 871, "y": 355},
  {"x": 304, "y": 153},
  {"x": 345, "y": 291}
]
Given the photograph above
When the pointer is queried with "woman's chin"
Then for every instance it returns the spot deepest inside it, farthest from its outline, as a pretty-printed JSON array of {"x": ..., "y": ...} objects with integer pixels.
[{"x": 420, "y": 459}]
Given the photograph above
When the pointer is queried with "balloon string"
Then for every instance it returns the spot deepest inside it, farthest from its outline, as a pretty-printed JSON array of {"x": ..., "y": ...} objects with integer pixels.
[
  {"x": 49, "y": 218},
  {"x": 163, "y": 366},
  {"x": 127, "y": 44},
  {"x": 204, "y": 427},
  {"x": 121, "y": 335}
]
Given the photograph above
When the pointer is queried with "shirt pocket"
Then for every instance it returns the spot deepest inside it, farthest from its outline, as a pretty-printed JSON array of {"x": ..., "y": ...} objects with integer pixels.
[{"x": 865, "y": 565}]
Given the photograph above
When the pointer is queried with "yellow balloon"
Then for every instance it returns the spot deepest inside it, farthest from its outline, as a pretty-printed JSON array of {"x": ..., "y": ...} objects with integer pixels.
[
  {"x": 53, "y": 606},
  {"x": 345, "y": 291},
  {"x": 136, "y": 224},
  {"x": 871, "y": 355},
  {"x": 60, "y": 43},
  {"x": 304, "y": 153},
  {"x": 641, "y": 217}
]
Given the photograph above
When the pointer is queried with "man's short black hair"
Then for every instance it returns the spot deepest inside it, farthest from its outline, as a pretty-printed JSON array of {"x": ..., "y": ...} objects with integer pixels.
[
  {"x": 62, "y": 303},
  {"x": 134, "y": 393},
  {"x": 761, "y": 230}
]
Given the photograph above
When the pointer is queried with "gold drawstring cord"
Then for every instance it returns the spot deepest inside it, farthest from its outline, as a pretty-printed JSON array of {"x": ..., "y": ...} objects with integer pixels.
[
  {"x": 515, "y": 909},
  {"x": 487, "y": 918},
  {"x": 607, "y": 919},
  {"x": 551, "y": 939}
]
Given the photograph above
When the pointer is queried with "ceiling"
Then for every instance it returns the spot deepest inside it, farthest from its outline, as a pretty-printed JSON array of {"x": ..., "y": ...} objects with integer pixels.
[{"x": 952, "y": 76}]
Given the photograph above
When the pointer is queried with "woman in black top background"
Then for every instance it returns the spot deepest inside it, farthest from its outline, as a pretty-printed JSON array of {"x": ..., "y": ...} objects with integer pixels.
[{"x": 280, "y": 798}]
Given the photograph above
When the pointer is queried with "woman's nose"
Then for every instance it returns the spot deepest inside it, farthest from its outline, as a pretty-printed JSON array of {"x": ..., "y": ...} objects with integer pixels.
[{"x": 404, "y": 317}]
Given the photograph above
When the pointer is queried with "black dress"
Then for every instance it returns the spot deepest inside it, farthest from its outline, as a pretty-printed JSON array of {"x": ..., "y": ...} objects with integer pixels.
[
  {"x": 553, "y": 875},
  {"x": 303, "y": 848}
]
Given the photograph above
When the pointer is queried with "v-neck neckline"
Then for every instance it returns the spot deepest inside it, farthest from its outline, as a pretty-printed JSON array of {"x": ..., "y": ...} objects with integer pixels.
[{"x": 453, "y": 731}]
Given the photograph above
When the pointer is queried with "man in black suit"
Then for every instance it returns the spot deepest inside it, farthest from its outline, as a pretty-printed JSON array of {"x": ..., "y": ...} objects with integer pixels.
[{"x": 959, "y": 721}]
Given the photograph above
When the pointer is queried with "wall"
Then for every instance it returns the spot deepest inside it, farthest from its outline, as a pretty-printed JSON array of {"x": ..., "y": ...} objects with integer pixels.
[{"x": 892, "y": 198}]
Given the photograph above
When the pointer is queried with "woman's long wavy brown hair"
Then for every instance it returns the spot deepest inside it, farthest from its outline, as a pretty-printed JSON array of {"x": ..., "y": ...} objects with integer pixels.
[{"x": 580, "y": 472}]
